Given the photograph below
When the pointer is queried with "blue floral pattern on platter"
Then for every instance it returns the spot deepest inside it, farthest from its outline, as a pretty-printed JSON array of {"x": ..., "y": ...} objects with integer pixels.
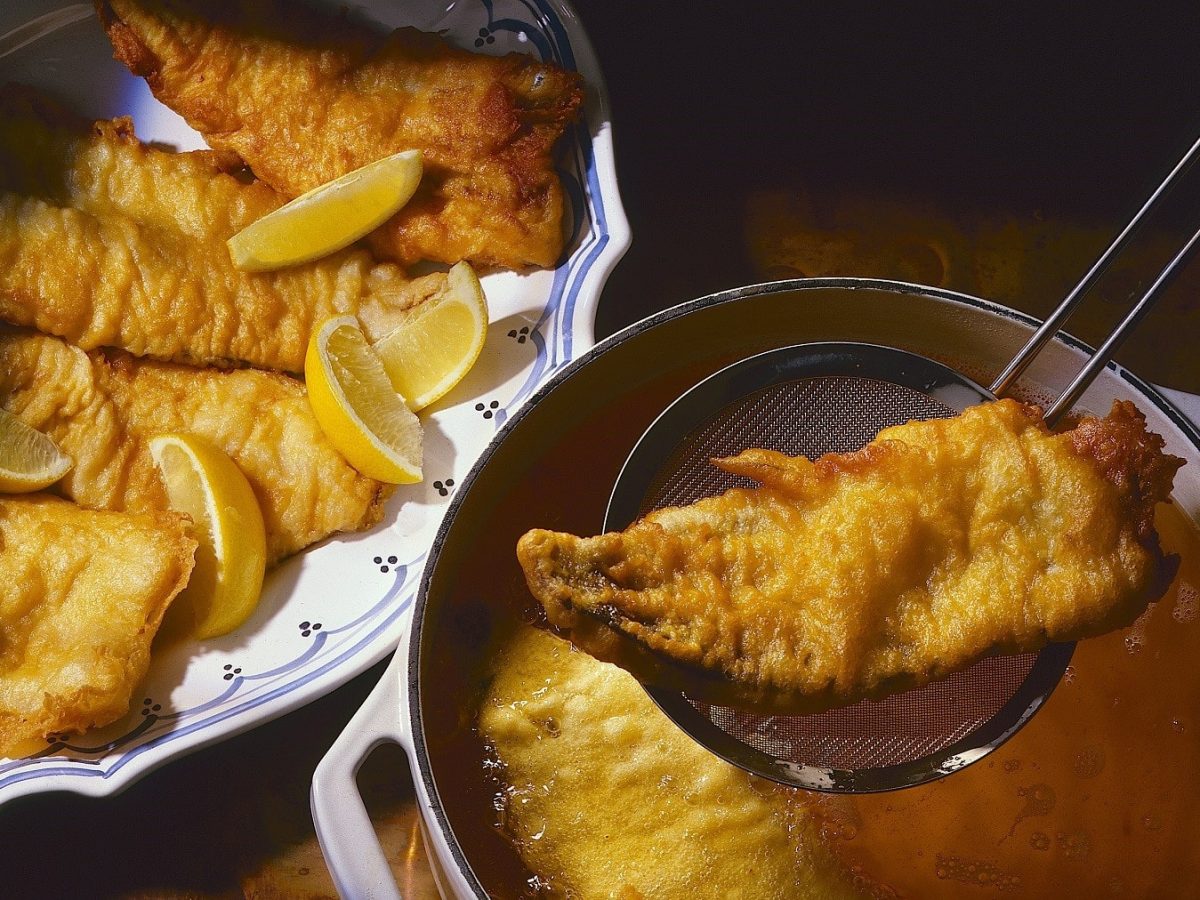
[{"x": 333, "y": 611}]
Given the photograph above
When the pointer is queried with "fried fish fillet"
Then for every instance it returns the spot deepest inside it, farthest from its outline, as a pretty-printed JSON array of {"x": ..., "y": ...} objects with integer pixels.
[
  {"x": 103, "y": 408},
  {"x": 84, "y": 593},
  {"x": 607, "y": 798},
  {"x": 106, "y": 241},
  {"x": 863, "y": 574},
  {"x": 304, "y": 97}
]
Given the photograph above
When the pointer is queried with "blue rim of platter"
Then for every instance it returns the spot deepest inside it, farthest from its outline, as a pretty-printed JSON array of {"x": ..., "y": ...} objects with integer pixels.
[{"x": 332, "y": 655}]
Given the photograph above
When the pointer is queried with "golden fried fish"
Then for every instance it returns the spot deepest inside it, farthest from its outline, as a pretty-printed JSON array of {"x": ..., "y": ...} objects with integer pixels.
[
  {"x": 304, "y": 97},
  {"x": 102, "y": 409},
  {"x": 605, "y": 797},
  {"x": 863, "y": 574},
  {"x": 84, "y": 593},
  {"x": 106, "y": 241}
]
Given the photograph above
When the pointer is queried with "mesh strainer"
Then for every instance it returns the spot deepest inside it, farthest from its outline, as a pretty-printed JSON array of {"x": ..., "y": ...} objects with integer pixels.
[{"x": 812, "y": 399}]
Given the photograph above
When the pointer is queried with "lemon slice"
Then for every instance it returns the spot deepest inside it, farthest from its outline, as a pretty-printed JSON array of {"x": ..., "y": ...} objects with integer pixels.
[
  {"x": 356, "y": 406},
  {"x": 202, "y": 481},
  {"x": 436, "y": 343},
  {"x": 29, "y": 461},
  {"x": 328, "y": 217}
]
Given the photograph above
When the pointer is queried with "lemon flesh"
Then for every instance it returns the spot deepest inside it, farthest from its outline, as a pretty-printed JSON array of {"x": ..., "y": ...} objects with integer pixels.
[
  {"x": 29, "y": 460},
  {"x": 357, "y": 407},
  {"x": 328, "y": 217},
  {"x": 435, "y": 344},
  {"x": 203, "y": 482}
]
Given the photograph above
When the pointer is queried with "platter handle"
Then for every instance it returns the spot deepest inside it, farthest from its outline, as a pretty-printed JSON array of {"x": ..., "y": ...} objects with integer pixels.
[{"x": 348, "y": 839}]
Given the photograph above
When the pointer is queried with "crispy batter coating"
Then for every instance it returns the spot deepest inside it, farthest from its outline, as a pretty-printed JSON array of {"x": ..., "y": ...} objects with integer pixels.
[
  {"x": 607, "y": 798},
  {"x": 106, "y": 241},
  {"x": 103, "y": 409},
  {"x": 304, "y": 97},
  {"x": 862, "y": 574},
  {"x": 84, "y": 593}
]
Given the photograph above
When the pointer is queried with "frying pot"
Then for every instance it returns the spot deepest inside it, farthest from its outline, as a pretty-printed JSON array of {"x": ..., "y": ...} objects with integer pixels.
[{"x": 553, "y": 465}]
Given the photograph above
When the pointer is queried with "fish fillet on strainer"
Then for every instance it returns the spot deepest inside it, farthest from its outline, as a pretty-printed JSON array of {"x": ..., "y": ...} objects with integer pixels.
[{"x": 862, "y": 574}]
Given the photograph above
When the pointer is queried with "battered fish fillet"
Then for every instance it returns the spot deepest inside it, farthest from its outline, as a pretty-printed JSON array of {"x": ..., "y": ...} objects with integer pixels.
[
  {"x": 304, "y": 97},
  {"x": 106, "y": 241},
  {"x": 607, "y": 798},
  {"x": 103, "y": 409},
  {"x": 863, "y": 574},
  {"x": 84, "y": 593}
]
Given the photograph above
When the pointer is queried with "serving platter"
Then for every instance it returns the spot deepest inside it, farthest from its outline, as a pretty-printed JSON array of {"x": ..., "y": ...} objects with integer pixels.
[{"x": 333, "y": 611}]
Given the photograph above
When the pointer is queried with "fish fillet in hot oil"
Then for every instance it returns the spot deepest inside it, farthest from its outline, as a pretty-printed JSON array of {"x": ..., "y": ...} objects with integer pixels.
[
  {"x": 866, "y": 573},
  {"x": 106, "y": 241},
  {"x": 304, "y": 97},
  {"x": 103, "y": 408},
  {"x": 607, "y": 798},
  {"x": 84, "y": 593}
]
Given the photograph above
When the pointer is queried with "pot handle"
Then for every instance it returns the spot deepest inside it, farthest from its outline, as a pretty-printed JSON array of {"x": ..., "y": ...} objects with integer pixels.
[
  {"x": 344, "y": 830},
  {"x": 1188, "y": 404}
]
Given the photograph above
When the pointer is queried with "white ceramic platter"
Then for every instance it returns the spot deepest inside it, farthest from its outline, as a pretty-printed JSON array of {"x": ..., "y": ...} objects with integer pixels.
[{"x": 331, "y": 612}]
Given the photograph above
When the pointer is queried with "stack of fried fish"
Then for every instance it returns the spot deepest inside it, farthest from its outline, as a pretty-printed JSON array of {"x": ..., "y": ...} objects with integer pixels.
[{"x": 126, "y": 317}]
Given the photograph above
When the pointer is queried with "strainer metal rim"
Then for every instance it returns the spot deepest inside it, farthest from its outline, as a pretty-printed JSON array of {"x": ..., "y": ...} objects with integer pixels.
[
  {"x": 771, "y": 367},
  {"x": 791, "y": 363}
]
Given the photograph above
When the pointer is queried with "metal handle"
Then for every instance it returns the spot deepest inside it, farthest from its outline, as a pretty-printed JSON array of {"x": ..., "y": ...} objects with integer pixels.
[
  {"x": 1122, "y": 331},
  {"x": 1060, "y": 315}
]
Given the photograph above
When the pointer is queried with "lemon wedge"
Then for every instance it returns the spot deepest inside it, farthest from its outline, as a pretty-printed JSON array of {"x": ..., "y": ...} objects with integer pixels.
[
  {"x": 202, "y": 481},
  {"x": 328, "y": 217},
  {"x": 436, "y": 343},
  {"x": 29, "y": 461},
  {"x": 356, "y": 406}
]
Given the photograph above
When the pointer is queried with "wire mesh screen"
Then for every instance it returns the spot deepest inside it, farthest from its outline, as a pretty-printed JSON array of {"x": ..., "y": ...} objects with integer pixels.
[{"x": 809, "y": 417}]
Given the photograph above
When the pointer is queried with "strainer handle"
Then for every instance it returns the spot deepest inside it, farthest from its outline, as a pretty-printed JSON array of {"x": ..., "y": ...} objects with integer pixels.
[
  {"x": 1055, "y": 321},
  {"x": 1101, "y": 357}
]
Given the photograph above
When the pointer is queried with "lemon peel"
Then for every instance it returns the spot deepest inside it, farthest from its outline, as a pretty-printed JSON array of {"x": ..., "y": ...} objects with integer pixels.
[
  {"x": 435, "y": 344},
  {"x": 29, "y": 460},
  {"x": 357, "y": 407},
  {"x": 203, "y": 482},
  {"x": 329, "y": 217}
]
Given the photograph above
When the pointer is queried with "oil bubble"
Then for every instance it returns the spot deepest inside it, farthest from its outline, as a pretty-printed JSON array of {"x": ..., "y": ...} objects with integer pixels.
[
  {"x": 1076, "y": 845},
  {"x": 1136, "y": 638},
  {"x": 980, "y": 873},
  {"x": 1185, "y": 605},
  {"x": 1089, "y": 762},
  {"x": 865, "y": 885},
  {"x": 1039, "y": 799}
]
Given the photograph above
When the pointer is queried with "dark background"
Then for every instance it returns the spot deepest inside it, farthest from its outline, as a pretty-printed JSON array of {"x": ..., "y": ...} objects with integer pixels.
[{"x": 1076, "y": 110}]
